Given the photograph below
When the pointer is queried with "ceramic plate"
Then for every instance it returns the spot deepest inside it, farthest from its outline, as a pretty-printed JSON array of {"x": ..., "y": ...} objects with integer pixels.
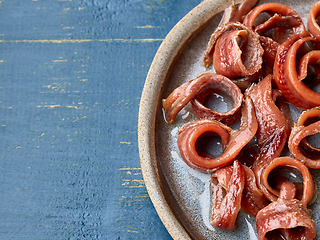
[{"x": 181, "y": 195}]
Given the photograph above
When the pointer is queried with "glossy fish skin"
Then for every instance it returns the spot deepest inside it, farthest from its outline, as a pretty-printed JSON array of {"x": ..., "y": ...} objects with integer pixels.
[
  {"x": 188, "y": 91},
  {"x": 227, "y": 186},
  {"x": 299, "y": 147},
  {"x": 232, "y": 140},
  {"x": 235, "y": 51}
]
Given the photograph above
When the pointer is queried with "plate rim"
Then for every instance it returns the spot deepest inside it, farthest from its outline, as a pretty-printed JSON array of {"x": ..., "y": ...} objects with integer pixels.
[{"x": 150, "y": 97}]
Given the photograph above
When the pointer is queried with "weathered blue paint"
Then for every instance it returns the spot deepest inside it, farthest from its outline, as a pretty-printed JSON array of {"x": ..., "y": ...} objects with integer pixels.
[{"x": 71, "y": 76}]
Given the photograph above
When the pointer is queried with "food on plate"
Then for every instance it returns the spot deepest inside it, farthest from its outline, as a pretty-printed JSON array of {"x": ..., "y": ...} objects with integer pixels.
[
  {"x": 287, "y": 216},
  {"x": 234, "y": 50},
  {"x": 197, "y": 89},
  {"x": 268, "y": 62},
  {"x": 232, "y": 140},
  {"x": 274, "y": 20},
  {"x": 253, "y": 199},
  {"x": 285, "y": 219},
  {"x": 272, "y": 179},
  {"x": 227, "y": 186},
  {"x": 237, "y": 13},
  {"x": 289, "y": 80},
  {"x": 273, "y": 128},
  {"x": 313, "y": 25},
  {"x": 299, "y": 146}
]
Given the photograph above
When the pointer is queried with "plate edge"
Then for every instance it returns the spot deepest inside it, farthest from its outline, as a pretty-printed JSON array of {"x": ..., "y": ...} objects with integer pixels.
[{"x": 167, "y": 52}]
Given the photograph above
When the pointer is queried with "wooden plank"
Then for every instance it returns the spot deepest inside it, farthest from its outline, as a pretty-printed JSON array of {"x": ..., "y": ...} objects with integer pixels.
[{"x": 71, "y": 76}]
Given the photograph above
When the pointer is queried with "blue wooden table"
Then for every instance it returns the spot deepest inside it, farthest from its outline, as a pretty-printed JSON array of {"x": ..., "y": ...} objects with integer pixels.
[{"x": 71, "y": 77}]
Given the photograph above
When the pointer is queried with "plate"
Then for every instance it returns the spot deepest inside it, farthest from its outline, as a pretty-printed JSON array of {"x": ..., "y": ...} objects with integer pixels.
[{"x": 181, "y": 195}]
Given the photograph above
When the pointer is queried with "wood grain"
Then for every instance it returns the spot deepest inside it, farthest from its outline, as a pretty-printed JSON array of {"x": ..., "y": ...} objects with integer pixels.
[{"x": 71, "y": 76}]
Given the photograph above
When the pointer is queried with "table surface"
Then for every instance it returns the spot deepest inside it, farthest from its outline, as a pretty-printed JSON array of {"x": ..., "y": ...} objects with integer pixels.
[{"x": 72, "y": 73}]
